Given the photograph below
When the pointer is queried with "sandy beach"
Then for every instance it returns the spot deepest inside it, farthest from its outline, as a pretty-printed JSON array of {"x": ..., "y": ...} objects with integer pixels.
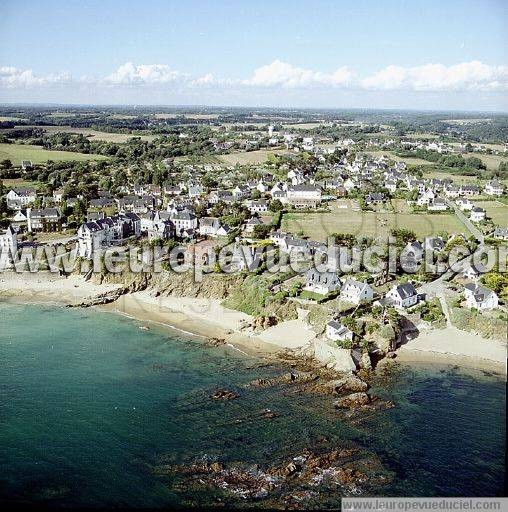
[
  {"x": 49, "y": 287},
  {"x": 208, "y": 318},
  {"x": 454, "y": 346}
]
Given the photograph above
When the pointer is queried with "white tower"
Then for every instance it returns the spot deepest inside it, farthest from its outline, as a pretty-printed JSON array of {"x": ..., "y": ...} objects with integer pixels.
[{"x": 270, "y": 130}]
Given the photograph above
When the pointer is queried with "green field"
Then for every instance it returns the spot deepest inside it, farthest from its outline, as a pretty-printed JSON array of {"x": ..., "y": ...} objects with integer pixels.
[
  {"x": 392, "y": 156},
  {"x": 37, "y": 155},
  {"x": 8, "y": 118},
  {"x": 199, "y": 160},
  {"x": 491, "y": 161},
  {"x": 303, "y": 126},
  {"x": 497, "y": 211},
  {"x": 318, "y": 226},
  {"x": 19, "y": 182},
  {"x": 92, "y": 135},
  {"x": 250, "y": 157}
]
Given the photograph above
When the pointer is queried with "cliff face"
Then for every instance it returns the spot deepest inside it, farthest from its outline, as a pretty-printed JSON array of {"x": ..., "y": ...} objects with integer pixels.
[
  {"x": 213, "y": 286},
  {"x": 250, "y": 294}
]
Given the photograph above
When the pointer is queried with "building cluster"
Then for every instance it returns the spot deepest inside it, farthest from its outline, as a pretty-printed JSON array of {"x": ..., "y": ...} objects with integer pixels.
[{"x": 190, "y": 210}]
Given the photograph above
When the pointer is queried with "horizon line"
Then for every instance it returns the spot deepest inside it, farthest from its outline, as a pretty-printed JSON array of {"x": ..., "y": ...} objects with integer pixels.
[{"x": 288, "y": 108}]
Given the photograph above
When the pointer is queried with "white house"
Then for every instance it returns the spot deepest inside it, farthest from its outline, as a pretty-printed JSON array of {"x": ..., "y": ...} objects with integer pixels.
[
  {"x": 354, "y": 292},
  {"x": 103, "y": 233},
  {"x": 308, "y": 143},
  {"x": 403, "y": 295},
  {"x": 19, "y": 198},
  {"x": 208, "y": 226},
  {"x": 322, "y": 282},
  {"x": 391, "y": 185},
  {"x": 257, "y": 206},
  {"x": 477, "y": 214},
  {"x": 58, "y": 195},
  {"x": 252, "y": 223},
  {"x": 452, "y": 191},
  {"x": 493, "y": 188},
  {"x": 426, "y": 198},
  {"x": 437, "y": 205},
  {"x": 337, "y": 332},
  {"x": 44, "y": 219},
  {"x": 240, "y": 192},
  {"x": 474, "y": 272},
  {"x": 464, "y": 204},
  {"x": 196, "y": 190},
  {"x": 157, "y": 225},
  {"x": 479, "y": 297},
  {"x": 303, "y": 196},
  {"x": 184, "y": 221},
  {"x": 501, "y": 233}
]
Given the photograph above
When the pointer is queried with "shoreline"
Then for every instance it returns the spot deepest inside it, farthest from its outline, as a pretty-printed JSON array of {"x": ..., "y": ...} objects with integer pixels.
[
  {"x": 207, "y": 318},
  {"x": 466, "y": 363},
  {"x": 136, "y": 307}
]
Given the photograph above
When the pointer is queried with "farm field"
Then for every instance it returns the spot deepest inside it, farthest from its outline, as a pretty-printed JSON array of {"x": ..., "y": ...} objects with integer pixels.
[
  {"x": 249, "y": 157},
  {"x": 19, "y": 182},
  {"x": 392, "y": 156},
  {"x": 420, "y": 136},
  {"x": 497, "y": 211},
  {"x": 491, "y": 161},
  {"x": 318, "y": 226},
  {"x": 199, "y": 160},
  {"x": 457, "y": 178},
  {"x": 96, "y": 135},
  {"x": 400, "y": 206},
  {"x": 37, "y": 155},
  {"x": 303, "y": 126},
  {"x": 187, "y": 116}
]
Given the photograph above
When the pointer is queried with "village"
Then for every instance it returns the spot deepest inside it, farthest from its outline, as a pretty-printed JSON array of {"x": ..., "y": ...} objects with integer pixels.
[{"x": 313, "y": 190}]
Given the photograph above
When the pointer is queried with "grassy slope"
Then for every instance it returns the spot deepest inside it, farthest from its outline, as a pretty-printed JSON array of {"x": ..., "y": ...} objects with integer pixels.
[
  {"x": 319, "y": 226},
  {"x": 38, "y": 155}
]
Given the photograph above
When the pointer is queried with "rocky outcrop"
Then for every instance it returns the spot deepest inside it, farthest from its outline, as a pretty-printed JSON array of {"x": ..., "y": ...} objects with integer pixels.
[
  {"x": 338, "y": 359},
  {"x": 365, "y": 361},
  {"x": 289, "y": 484},
  {"x": 224, "y": 394},
  {"x": 352, "y": 400},
  {"x": 264, "y": 322},
  {"x": 349, "y": 383}
]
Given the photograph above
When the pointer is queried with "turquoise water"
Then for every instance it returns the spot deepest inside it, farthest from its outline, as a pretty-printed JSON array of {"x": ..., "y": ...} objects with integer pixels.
[{"x": 90, "y": 403}]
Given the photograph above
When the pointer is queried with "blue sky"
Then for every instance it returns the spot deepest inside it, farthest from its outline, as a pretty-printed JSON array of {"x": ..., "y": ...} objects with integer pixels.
[{"x": 392, "y": 53}]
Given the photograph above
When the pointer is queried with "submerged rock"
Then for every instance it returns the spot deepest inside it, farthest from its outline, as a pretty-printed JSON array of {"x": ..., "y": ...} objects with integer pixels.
[
  {"x": 291, "y": 483},
  {"x": 352, "y": 400},
  {"x": 347, "y": 383},
  {"x": 215, "y": 342},
  {"x": 224, "y": 394}
]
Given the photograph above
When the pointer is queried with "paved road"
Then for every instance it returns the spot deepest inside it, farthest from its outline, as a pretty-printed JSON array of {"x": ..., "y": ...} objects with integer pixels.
[{"x": 469, "y": 225}]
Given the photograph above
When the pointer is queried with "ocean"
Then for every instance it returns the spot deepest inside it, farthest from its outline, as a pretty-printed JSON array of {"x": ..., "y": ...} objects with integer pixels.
[{"x": 90, "y": 405}]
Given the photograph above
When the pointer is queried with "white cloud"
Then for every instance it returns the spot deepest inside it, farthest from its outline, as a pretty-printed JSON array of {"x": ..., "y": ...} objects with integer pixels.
[
  {"x": 277, "y": 76},
  {"x": 467, "y": 76},
  {"x": 128, "y": 73},
  {"x": 282, "y": 74},
  {"x": 11, "y": 77}
]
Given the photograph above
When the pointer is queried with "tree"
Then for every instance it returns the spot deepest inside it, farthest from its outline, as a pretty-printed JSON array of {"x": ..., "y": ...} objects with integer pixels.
[
  {"x": 6, "y": 164},
  {"x": 403, "y": 235},
  {"x": 276, "y": 205},
  {"x": 344, "y": 239},
  {"x": 475, "y": 163},
  {"x": 262, "y": 230}
]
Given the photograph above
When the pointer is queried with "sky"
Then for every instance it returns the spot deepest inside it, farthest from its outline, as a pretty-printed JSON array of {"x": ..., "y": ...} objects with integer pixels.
[{"x": 414, "y": 54}]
